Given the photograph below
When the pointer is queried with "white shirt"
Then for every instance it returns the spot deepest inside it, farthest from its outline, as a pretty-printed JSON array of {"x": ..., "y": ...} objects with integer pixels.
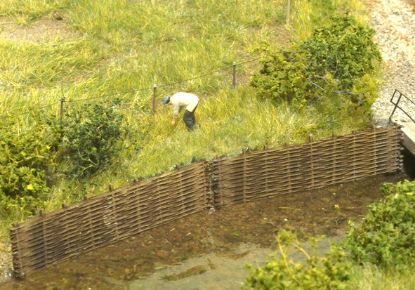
[{"x": 182, "y": 99}]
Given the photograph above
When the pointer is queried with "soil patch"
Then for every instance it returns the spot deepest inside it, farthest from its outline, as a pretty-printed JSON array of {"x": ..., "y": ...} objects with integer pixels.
[
  {"x": 43, "y": 30},
  {"x": 325, "y": 211}
]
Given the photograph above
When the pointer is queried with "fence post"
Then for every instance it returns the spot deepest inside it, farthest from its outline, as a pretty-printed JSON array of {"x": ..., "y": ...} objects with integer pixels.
[
  {"x": 287, "y": 21},
  {"x": 234, "y": 75},
  {"x": 61, "y": 112},
  {"x": 154, "y": 98}
]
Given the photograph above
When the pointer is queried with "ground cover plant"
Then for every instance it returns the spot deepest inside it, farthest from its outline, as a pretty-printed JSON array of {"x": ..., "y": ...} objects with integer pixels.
[
  {"x": 24, "y": 165},
  {"x": 386, "y": 235},
  {"x": 330, "y": 271}
]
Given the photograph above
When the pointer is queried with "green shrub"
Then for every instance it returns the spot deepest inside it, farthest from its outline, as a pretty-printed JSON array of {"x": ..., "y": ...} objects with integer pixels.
[
  {"x": 89, "y": 137},
  {"x": 283, "y": 76},
  {"x": 24, "y": 163},
  {"x": 386, "y": 236},
  {"x": 331, "y": 64},
  {"x": 331, "y": 271},
  {"x": 344, "y": 49}
]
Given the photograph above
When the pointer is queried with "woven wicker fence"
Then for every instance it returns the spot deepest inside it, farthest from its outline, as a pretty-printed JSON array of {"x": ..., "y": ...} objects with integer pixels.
[
  {"x": 311, "y": 166},
  {"x": 133, "y": 209}
]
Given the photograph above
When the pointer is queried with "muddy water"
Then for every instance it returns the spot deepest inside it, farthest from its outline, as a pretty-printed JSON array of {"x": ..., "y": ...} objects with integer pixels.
[{"x": 210, "y": 250}]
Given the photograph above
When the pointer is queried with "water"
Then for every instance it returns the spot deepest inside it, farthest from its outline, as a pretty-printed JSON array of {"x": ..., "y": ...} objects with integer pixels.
[
  {"x": 206, "y": 271},
  {"x": 210, "y": 251}
]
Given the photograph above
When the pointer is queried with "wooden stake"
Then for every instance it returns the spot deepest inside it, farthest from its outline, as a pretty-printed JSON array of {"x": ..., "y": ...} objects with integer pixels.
[
  {"x": 154, "y": 98},
  {"x": 234, "y": 75}
]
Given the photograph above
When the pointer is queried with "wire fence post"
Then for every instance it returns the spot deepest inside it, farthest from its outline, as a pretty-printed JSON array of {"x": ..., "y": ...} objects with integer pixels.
[
  {"x": 287, "y": 21},
  {"x": 234, "y": 75},
  {"x": 61, "y": 111},
  {"x": 154, "y": 98}
]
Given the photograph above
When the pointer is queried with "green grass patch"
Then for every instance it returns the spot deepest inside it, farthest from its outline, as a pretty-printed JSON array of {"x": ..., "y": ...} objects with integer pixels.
[
  {"x": 24, "y": 11},
  {"x": 374, "y": 278}
]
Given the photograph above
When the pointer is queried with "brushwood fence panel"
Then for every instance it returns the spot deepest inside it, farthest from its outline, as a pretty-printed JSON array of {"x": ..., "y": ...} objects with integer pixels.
[
  {"x": 306, "y": 167},
  {"x": 103, "y": 220},
  {"x": 133, "y": 209}
]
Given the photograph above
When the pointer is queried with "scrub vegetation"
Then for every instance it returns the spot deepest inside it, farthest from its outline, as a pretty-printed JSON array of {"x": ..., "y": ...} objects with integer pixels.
[
  {"x": 76, "y": 111},
  {"x": 376, "y": 254}
]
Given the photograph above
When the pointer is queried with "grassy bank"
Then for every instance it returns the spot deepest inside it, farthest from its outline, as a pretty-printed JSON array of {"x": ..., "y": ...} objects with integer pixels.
[
  {"x": 98, "y": 51},
  {"x": 121, "y": 48}
]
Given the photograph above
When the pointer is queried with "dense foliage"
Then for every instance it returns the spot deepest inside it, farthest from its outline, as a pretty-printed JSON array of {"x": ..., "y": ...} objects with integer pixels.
[
  {"x": 386, "y": 235},
  {"x": 89, "y": 136},
  {"x": 83, "y": 143},
  {"x": 331, "y": 63},
  {"x": 331, "y": 271},
  {"x": 24, "y": 163}
]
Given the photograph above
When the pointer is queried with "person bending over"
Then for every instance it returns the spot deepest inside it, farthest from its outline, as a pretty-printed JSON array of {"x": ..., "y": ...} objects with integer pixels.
[{"x": 183, "y": 100}]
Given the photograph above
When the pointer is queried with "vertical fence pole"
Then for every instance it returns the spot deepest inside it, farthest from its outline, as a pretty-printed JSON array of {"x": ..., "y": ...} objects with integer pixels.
[
  {"x": 154, "y": 98},
  {"x": 234, "y": 75},
  {"x": 61, "y": 112},
  {"x": 287, "y": 22}
]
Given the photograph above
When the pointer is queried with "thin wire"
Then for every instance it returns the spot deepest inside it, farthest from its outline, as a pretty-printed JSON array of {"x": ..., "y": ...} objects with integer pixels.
[
  {"x": 194, "y": 78},
  {"x": 210, "y": 73}
]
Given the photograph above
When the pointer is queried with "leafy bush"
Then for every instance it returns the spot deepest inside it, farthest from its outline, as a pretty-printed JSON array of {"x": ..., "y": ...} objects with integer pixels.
[
  {"x": 330, "y": 271},
  {"x": 344, "y": 49},
  {"x": 89, "y": 136},
  {"x": 386, "y": 236},
  {"x": 24, "y": 161},
  {"x": 327, "y": 65},
  {"x": 283, "y": 76}
]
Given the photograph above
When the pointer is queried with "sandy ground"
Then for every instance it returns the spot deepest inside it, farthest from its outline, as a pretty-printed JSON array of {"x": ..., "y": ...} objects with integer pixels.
[{"x": 394, "y": 23}]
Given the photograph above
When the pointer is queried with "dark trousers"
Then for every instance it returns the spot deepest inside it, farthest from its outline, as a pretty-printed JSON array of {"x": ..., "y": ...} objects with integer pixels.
[{"x": 189, "y": 119}]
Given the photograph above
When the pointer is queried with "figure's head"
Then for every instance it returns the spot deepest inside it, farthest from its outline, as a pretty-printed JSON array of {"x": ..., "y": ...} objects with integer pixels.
[{"x": 166, "y": 100}]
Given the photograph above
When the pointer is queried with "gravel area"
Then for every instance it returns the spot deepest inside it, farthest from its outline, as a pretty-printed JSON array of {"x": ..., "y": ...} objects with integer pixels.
[
  {"x": 5, "y": 262},
  {"x": 394, "y": 22}
]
